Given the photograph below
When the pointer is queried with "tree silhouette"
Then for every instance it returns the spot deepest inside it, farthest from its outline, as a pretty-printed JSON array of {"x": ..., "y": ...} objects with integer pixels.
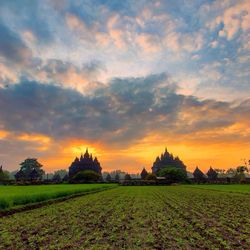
[
  {"x": 240, "y": 173},
  {"x": 65, "y": 178},
  {"x": 117, "y": 177},
  {"x": 151, "y": 177},
  {"x": 30, "y": 169},
  {"x": 4, "y": 175},
  {"x": 127, "y": 177},
  {"x": 56, "y": 177},
  {"x": 61, "y": 172},
  {"x": 108, "y": 178},
  {"x": 173, "y": 174}
]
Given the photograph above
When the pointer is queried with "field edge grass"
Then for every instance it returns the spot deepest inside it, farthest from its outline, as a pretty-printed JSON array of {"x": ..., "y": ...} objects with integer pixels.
[
  {"x": 49, "y": 200},
  {"x": 217, "y": 187}
]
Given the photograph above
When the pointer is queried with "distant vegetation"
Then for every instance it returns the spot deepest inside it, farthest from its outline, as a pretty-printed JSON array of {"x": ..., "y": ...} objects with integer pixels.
[
  {"x": 150, "y": 177},
  {"x": 4, "y": 175}
]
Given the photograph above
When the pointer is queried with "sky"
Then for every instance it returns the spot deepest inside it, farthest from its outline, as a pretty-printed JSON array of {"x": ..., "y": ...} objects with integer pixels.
[{"x": 125, "y": 79}]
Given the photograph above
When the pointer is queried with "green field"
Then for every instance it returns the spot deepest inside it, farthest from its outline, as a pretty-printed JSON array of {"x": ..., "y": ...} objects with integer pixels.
[
  {"x": 142, "y": 217},
  {"x": 238, "y": 188},
  {"x": 11, "y": 196}
]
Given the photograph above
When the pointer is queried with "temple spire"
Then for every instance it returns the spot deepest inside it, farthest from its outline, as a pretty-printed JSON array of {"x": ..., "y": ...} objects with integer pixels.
[
  {"x": 167, "y": 159},
  {"x": 87, "y": 162},
  {"x": 86, "y": 155},
  {"x": 81, "y": 158}
]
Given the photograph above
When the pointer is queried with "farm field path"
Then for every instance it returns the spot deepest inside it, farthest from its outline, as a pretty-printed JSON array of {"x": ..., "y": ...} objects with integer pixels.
[{"x": 153, "y": 217}]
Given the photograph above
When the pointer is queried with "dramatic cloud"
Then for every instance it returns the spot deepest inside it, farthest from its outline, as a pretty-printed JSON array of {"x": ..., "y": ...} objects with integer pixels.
[
  {"x": 120, "y": 112},
  {"x": 83, "y": 78},
  {"x": 130, "y": 39},
  {"x": 78, "y": 72},
  {"x": 12, "y": 48}
]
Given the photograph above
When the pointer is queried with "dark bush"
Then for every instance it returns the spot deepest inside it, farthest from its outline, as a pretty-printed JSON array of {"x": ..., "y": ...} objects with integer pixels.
[
  {"x": 86, "y": 176},
  {"x": 108, "y": 178},
  {"x": 127, "y": 177},
  {"x": 151, "y": 177},
  {"x": 173, "y": 175}
]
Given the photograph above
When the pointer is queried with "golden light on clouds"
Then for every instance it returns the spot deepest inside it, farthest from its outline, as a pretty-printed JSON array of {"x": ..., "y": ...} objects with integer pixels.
[
  {"x": 78, "y": 150},
  {"x": 65, "y": 151},
  {"x": 3, "y": 134},
  {"x": 76, "y": 147},
  {"x": 203, "y": 149},
  {"x": 34, "y": 137},
  {"x": 38, "y": 138},
  {"x": 42, "y": 141}
]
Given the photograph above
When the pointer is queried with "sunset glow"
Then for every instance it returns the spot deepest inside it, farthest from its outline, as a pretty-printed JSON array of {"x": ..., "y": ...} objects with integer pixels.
[{"x": 125, "y": 79}]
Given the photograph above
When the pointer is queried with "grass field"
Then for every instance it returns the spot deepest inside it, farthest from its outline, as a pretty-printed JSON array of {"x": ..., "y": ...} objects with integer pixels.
[
  {"x": 239, "y": 188},
  {"x": 11, "y": 196},
  {"x": 146, "y": 217}
]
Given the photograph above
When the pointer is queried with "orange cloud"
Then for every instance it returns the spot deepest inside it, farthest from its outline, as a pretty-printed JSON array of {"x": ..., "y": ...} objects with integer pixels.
[
  {"x": 29, "y": 36},
  {"x": 116, "y": 36},
  {"x": 42, "y": 140},
  {"x": 202, "y": 149},
  {"x": 74, "y": 22},
  {"x": 147, "y": 43},
  {"x": 64, "y": 152},
  {"x": 7, "y": 74},
  {"x": 3, "y": 134},
  {"x": 178, "y": 42},
  {"x": 102, "y": 38},
  {"x": 193, "y": 153}
]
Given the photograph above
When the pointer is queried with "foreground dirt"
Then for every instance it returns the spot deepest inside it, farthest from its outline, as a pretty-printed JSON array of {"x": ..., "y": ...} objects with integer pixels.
[{"x": 134, "y": 218}]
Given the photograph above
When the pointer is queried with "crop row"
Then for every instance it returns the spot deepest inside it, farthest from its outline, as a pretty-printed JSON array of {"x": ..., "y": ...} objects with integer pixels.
[
  {"x": 217, "y": 217},
  {"x": 134, "y": 218}
]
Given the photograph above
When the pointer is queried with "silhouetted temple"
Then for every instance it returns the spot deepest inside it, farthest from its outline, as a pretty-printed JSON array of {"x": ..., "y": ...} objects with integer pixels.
[
  {"x": 86, "y": 162},
  {"x": 212, "y": 174},
  {"x": 144, "y": 174},
  {"x": 167, "y": 160},
  {"x": 198, "y": 175}
]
